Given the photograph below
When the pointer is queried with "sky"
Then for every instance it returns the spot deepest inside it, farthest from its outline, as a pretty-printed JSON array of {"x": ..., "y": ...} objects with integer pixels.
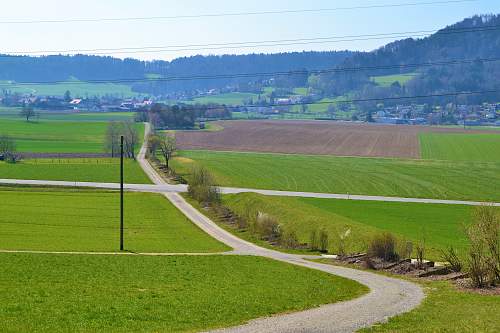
[{"x": 108, "y": 35}]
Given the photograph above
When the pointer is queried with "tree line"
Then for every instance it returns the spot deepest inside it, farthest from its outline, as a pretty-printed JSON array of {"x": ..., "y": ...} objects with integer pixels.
[{"x": 181, "y": 116}]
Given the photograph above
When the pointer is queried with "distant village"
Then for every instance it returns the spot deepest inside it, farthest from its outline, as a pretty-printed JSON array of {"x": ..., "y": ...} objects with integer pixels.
[{"x": 486, "y": 114}]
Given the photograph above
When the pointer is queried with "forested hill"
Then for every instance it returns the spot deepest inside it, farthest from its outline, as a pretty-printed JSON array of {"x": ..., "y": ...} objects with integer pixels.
[
  {"x": 83, "y": 67},
  {"x": 474, "y": 38}
]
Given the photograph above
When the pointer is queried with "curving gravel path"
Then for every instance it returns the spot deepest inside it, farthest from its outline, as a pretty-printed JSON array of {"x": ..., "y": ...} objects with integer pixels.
[{"x": 387, "y": 297}]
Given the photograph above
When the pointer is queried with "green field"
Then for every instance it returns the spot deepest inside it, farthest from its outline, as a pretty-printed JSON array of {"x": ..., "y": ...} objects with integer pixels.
[
  {"x": 57, "y": 220},
  {"x": 440, "y": 225},
  {"x": 76, "y": 87},
  {"x": 388, "y": 80},
  {"x": 330, "y": 174},
  {"x": 446, "y": 309},
  {"x": 13, "y": 113},
  {"x": 228, "y": 99},
  {"x": 461, "y": 147},
  {"x": 63, "y": 293},
  {"x": 105, "y": 170},
  {"x": 58, "y": 136}
]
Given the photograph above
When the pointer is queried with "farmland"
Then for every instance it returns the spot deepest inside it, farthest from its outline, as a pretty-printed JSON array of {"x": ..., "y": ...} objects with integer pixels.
[
  {"x": 461, "y": 147},
  {"x": 228, "y": 98},
  {"x": 353, "y": 175},
  {"x": 58, "y": 220},
  {"x": 71, "y": 116},
  {"x": 57, "y": 136},
  {"x": 319, "y": 138},
  {"x": 440, "y": 225},
  {"x": 105, "y": 170},
  {"x": 167, "y": 294},
  {"x": 75, "y": 86}
]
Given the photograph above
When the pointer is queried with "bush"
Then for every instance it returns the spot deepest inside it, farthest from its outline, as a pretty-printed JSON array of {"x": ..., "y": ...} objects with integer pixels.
[
  {"x": 451, "y": 257},
  {"x": 202, "y": 187},
  {"x": 342, "y": 241},
  {"x": 267, "y": 227},
  {"x": 323, "y": 241},
  {"x": 405, "y": 249},
  {"x": 383, "y": 246},
  {"x": 314, "y": 240},
  {"x": 290, "y": 240},
  {"x": 484, "y": 252}
]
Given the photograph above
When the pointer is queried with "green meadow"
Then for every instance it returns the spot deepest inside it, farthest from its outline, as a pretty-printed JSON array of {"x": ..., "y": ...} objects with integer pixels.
[
  {"x": 440, "y": 225},
  {"x": 228, "y": 98},
  {"x": 388, "y": 80},
  {"x": 105, "y": 170},
  {"x": 73, "y": 116},
  {"x": 76, "y": 220},
  {"x": 330, "y": 174},
  {"x": 461, "y": 147},
  {"x": 45, "y": 136},
  {"x": 76, "y": 87},
  {"x": 68, "y": 293}
]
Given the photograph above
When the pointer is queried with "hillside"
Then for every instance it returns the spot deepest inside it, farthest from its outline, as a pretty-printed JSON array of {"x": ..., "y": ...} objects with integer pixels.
[
  {"x": 85, "y": 67},
  {"x": 477, "y": 37}
]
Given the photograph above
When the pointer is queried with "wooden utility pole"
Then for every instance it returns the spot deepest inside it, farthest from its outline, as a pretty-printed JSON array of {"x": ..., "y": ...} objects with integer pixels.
[{"x": 121, "y": 194}]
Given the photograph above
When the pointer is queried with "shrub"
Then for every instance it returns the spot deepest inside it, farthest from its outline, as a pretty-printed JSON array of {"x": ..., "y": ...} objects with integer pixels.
[
  {"x": 290, "y": 240},
  {"x": 314, "y": 240},
  {"x": 342, "y": 241},
  {"x": 383, "y": 246},
  {"x": 323, "y": 241},
  {"x": 405, "y": 249},
  {"x": 267, "y": 227},
  {"x": 451, "y": 257},
  {"x": 484, "y": 252},
  {"x": 202, "y": 187}
]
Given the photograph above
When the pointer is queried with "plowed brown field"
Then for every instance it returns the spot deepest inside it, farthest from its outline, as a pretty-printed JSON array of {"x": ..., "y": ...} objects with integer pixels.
[{"x": 311, "y": 137}]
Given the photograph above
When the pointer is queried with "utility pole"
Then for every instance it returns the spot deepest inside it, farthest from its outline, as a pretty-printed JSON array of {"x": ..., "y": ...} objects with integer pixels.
[{"x": 121, "y": 193}]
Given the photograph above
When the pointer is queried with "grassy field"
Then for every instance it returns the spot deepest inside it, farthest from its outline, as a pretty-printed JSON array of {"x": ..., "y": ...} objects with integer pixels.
[
  {"x": 440, "y": 225},
  {"x": 76, "y": 87},
  {"x": 330, "y": 174},
  {"x": 228, "y": 99},
  {"x": 104, "y": 170},
  {"x": 58, "y": 220},
  {"x": 58, "y": 136},
  {"x": 461, "y": 147},
  {"x": 13, "y": 113},
  {"x": 446, "y": 309},
  {"x": 61, "y": 293},
  {"x": 388, "y": 80}
]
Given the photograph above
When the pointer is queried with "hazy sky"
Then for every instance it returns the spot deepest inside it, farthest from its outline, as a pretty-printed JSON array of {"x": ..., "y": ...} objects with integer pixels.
[{"x": 208, "y": 30}]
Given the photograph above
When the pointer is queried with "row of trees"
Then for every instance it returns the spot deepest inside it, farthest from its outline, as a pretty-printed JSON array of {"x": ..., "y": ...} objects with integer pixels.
[
  {"x": 114, "y": 132},
  {"x": 162, "y": 116}
]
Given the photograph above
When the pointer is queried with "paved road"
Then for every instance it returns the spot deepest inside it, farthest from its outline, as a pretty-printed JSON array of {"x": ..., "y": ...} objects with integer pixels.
[
  {"x": 387, "y": 297},
  {"x": 161, "y": 187}
]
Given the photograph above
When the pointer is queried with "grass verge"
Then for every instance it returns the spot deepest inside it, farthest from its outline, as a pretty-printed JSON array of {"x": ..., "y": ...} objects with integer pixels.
[{"x": 440, "y": 225}]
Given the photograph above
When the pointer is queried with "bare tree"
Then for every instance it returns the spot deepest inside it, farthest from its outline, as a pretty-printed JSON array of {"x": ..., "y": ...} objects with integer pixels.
[
  {"x": 27, "y": 112},
  {"x": 113, "y": 133},
  {"x": 168, "y": 146},
  {"x": 131, "y": 138},
  {"x": 8, "y": 149}
]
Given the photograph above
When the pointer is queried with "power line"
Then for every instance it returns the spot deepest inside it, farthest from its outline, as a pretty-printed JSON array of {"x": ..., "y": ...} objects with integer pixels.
[
  {"x": 251, "y": 44},
  {"x": 261, "y": 74},
  {"x": 236, "y": 14}
]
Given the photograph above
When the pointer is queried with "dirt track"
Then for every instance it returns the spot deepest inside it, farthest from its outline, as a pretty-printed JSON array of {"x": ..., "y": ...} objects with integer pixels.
[{"x": 312, "y": 137}]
